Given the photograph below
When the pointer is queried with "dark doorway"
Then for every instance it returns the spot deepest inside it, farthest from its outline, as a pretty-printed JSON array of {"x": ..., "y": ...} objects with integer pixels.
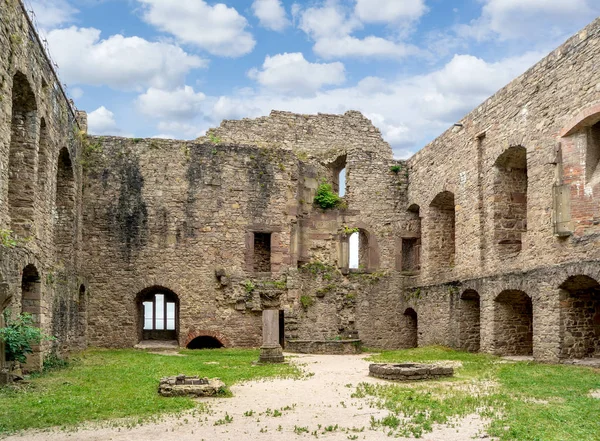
[
  {"x": 411, "y": 328},
  {"x": 282, "y": 328},
  {"x": 205, "y": 342}
]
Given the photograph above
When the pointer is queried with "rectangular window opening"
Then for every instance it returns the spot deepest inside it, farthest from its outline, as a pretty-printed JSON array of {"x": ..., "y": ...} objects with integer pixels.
[
  {"x": 262, "y": 252},
  {"x": 411, "y": 250}
]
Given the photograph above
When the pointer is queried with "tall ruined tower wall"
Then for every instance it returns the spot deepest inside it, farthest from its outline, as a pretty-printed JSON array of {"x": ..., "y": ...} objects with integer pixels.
[{"x": 40, "y": 188}]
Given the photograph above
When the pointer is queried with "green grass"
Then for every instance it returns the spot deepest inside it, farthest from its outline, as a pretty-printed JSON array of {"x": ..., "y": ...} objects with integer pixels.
[
  {"x": 108, "y": 384},
  {"x": 524, "y": 401}
]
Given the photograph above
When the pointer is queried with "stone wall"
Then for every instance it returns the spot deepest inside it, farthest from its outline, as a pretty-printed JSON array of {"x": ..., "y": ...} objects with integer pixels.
[{"x": 40, "y": 142}]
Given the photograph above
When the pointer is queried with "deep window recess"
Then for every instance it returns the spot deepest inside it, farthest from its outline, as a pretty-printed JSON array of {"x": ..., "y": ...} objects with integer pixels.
[
  {"x": 411, "y": 254},
  {"x": 159, "y": 317},
  {"x": 262, "y": 252}
]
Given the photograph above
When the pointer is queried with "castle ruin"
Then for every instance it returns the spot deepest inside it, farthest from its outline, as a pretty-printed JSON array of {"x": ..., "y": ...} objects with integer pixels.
[{"x": 488, "y": 239}]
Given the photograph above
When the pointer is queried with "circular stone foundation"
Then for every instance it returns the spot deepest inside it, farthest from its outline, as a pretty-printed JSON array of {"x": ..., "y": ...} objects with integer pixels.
[{"x": 409, "y": 371}]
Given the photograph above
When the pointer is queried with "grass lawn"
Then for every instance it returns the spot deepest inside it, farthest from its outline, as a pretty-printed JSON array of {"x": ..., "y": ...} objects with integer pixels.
[
  {"x": 525, "y": 401},
  {"x": 107, "y": 384}
]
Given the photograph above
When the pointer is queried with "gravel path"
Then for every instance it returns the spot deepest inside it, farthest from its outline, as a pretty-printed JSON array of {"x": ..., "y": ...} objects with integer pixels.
[{"x": 321, "y": 399}]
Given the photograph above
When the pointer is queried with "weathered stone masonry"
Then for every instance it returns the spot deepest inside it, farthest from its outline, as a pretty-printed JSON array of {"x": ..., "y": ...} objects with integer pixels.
[
  {"x": 487, "y": 239},
  {"x": 40, "y": 189}
]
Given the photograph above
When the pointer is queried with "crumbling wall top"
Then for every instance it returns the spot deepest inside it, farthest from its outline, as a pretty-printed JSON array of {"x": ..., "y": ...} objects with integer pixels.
[{"x": 321, "y": 135}]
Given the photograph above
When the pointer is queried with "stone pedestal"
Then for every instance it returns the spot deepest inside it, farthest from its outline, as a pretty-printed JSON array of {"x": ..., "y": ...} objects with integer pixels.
[{"x": 271, "y": 351}]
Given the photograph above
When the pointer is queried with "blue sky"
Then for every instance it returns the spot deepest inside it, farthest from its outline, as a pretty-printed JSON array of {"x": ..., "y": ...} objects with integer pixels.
[{"x": 174, "y": 68}]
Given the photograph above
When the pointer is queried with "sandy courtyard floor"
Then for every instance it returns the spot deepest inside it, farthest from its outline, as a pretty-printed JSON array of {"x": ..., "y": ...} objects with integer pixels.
[{"x": 319, "y": 401}]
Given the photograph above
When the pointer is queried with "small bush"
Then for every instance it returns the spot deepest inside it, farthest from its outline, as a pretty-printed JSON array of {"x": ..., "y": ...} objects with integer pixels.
[
  {"x": 19, "y": 335},
  {"x": 326, "y": 198},
  {"x": 395, "y": 169}
]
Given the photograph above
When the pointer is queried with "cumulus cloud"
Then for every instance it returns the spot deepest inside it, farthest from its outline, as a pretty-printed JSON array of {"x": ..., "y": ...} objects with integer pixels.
[
  {"x": 271, "y": 14},
  {"x": 368, "y": 47},
  {"x": 331, "y": 25},
  {"x": 534, "y": 20},
  {"x": 217, "y": 29},
  {"x": 389, "y": 11},
  {"x": 102, "y": 122},
  {"x": 127, "y": 63},
  {"x": 292, "y": 74},
  {"x": 171, "y": 105},
  {"x": 409, "y": 110},
  {"x": 52, "y": 13}
]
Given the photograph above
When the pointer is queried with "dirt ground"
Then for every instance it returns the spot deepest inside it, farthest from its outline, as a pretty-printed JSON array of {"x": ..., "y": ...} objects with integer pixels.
[{"x": 321, "y": 399}]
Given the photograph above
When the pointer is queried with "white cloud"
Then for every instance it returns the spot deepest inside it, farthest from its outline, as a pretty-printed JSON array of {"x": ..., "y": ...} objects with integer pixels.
[
  {"x": 52, "y": 13},
  {"x": 128, "y": 63},
  {"x": 180, "y": 130},
  {"x": 368, "y": 47},
  {"x": 409, "y": 110},
  {"x": 533, "y": 20},
  {"x": 292, "y": 74},
  {"x": 389, "y": 11},
  {"x": 179, "y": 104},
  {"x": 271, "y": 14},
  {"x": 327, "y": 21},
  {"x": 330, "y": 25},
  {"x": 102, "y": 122},
  {"x": 76, "y": 93},
  {"x": 219, "y": 29}
]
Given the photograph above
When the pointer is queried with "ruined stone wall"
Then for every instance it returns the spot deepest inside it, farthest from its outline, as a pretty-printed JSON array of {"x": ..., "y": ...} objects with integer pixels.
[
  {"x": 530, "y": 112},
  {"x": 548, "y": 114},
  {"x": 39, "y": 125},
  {"x": 182, "y": 216}
]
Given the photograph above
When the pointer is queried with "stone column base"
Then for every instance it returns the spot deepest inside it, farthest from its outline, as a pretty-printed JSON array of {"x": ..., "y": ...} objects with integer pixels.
[{"x": 272, "y": 354}]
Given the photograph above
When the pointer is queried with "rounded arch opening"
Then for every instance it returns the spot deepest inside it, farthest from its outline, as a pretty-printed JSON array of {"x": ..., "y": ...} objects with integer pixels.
[
  {"x": 158, "y": 314},
  {"x": 510, "y": 200},
  {"x": 469, "y": 321},
  {"x": 442, "y": 230},
  {"x": 579, "y": 317},
  {"x": 205, "y": 342},
  {"x": 411, "y": 328},
  {"x": 64, "y": 233},
  {"x": 513, "y": 323},
  {"x": 22, "y": 156}
]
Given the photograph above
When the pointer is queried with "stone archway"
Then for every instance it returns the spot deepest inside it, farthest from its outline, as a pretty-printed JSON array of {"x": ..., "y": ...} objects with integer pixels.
[
  {"x": 469, "y": 321},
  {"x": 513, "y": 323},
  {"x": 579, "y": 317},
  {"x": 205, "y": 342},
  {"x": 411, "y": 328}
]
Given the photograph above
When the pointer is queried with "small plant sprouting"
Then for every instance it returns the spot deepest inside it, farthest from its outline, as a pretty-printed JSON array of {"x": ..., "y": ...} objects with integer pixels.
[
  {"x": 226, "y": 420},
  {"x": 300, "y": 430},
  {"x": 306, "y": 301},
  {"x": 347, "y": 231},
  {"x": 249, "y": 413},
  {"x": 7, "y": 240},
  {"x": 214, "y": 138},
  {"x": 396, "y": 169},
  {"x": 249, "y": 286}
]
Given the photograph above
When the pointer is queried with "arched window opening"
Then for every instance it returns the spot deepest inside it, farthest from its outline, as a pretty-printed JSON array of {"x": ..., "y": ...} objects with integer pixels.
[
  {"x": 31, "y": 292},
  {"x": 22, "y": 157},
  {"x": 205, "y": 342},
  {"x": 64, "y": 229},
  {"x": 82, "y": 299},
  {"x": 592, "y": 171},
  {"x": 411, "y": 329},
  {"x": 31, "y": 303},
  {"x": 513, "y": 323},
  {"x": 469, "y": 321},
  {"x": 580, "y": 317},
  {"x": 159, "y": 314},
  {"x": 510, "y": 200},
  {"x": 442, "y": 235},
  {"x": 411, "y": 246},
  {"x": 43, "y": 154},
  {"x": 338, "y": 175},
  {"x": 354, "y": 246}
]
